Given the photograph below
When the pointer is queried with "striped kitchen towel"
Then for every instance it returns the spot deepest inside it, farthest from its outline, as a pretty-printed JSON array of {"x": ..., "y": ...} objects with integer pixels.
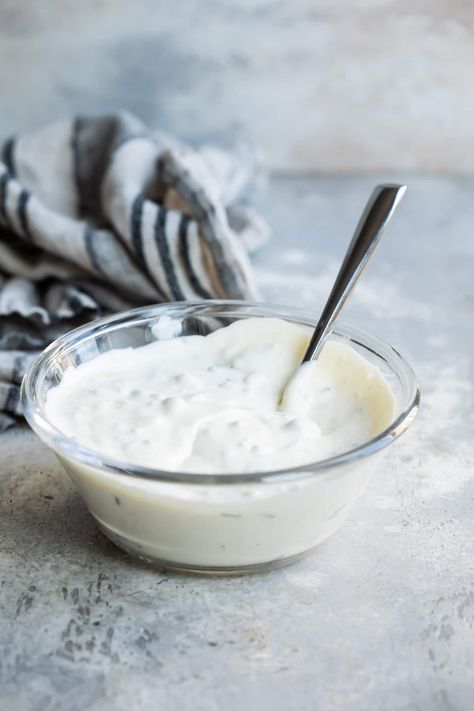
[{"x": 98, "y": 215}]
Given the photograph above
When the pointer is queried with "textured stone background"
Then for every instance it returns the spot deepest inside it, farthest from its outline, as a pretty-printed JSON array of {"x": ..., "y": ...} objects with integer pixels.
[{"x": 326, "y": 85}]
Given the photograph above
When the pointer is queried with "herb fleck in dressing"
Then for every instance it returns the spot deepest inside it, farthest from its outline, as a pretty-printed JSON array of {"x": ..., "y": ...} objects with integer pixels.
[{"x": 213, "y": 404}]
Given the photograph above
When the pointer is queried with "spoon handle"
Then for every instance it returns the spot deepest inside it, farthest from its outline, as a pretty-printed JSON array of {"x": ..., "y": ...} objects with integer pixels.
[{"x": 370, "y": 230}]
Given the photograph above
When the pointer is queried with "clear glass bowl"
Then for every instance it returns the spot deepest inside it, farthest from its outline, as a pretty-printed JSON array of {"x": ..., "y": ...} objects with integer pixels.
[{"x": 220, "y": 523}]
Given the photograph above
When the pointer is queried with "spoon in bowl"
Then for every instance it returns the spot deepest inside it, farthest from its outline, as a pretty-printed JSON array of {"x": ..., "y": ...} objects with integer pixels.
[{"x": 372, "y": 226}]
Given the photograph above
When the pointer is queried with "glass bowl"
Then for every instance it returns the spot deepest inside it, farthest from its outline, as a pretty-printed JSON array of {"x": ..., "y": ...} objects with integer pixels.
[{"x": 219, "y": 523}]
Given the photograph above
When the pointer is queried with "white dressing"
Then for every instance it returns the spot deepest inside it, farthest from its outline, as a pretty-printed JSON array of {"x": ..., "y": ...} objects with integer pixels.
[{"x": 213, "y": 404}]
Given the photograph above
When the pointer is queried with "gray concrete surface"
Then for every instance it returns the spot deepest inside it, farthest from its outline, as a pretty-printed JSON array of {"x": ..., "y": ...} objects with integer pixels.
[
  {"x": 379, "y": 617},
  {"x": 320, "y": 85}
]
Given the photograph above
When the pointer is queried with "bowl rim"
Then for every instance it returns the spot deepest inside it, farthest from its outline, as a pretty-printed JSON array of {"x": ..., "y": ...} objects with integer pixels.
[{"x": 69, "y": 448}]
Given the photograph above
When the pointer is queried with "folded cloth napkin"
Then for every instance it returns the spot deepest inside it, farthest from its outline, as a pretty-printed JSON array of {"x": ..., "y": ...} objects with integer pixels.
[{"x": 99, "y": 214}]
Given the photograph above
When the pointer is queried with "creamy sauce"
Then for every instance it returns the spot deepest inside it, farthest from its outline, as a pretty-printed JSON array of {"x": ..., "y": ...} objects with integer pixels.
[{"x": 214, "y": 404}]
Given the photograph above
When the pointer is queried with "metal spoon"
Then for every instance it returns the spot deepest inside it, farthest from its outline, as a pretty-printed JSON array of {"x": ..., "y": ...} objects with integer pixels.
[{"x": 372, "y": 225}]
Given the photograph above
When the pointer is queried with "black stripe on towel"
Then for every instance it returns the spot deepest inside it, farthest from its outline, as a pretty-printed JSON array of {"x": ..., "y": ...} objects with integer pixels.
[
  {"x": 185, "y": 258},
  {"x": 18, "y": 369},
  {"x": 137, "y": 240},
  {"x": 164, "y": 250},
  {"x": 13, "y": 399},
  {"x": 23, "y": 214},
  {"x": 136, "y": 227},
  {"x": 4, "y": 180},
  {"x": 8, "y": 155},
  {"x": 90, "y": 248}
]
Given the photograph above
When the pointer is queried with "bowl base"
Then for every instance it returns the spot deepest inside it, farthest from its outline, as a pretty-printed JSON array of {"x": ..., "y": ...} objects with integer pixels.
[{"x": 201, "y": 569}]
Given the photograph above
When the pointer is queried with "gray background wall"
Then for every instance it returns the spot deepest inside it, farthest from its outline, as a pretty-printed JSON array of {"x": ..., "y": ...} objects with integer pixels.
[{"x": 326, "y": 85}]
